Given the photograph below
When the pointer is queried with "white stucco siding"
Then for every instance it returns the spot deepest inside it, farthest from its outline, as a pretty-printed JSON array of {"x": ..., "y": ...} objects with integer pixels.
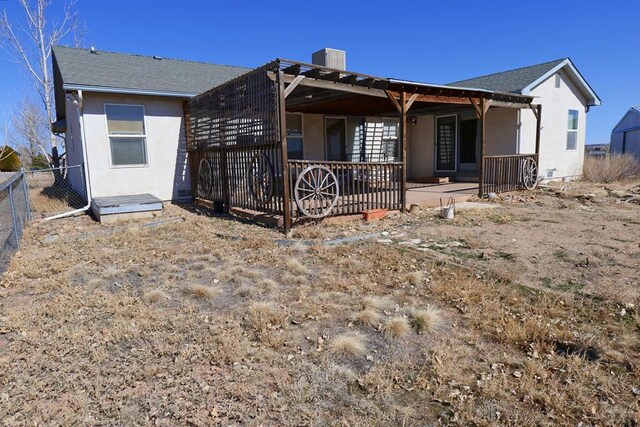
[
  {"x": 313, "y": 136},
  {"x": 166, "y": 175},
  {"x": 502, "y": 131},
  {"x": 556, "y": 103},
  {"x": 421, "y": 148}
]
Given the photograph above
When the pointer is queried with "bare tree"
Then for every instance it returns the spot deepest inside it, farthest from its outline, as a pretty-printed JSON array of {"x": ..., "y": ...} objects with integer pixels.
[
  {"x": 29, "y": 129},
  {"x": 29, "y": 44}
]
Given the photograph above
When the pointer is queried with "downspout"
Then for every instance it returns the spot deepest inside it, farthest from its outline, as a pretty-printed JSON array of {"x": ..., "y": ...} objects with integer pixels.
[
  {"x": 519, "y": 125},
  {"x": 87, "y": 182}
]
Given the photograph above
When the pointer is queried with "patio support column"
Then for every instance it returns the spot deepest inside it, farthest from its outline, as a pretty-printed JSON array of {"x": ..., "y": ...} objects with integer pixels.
[
  {"x": 482, "y": 113},
  {"x": 403, "y": 136},
  {"x": 282, "y": 119},
  {"x": 538, "y": 112}
]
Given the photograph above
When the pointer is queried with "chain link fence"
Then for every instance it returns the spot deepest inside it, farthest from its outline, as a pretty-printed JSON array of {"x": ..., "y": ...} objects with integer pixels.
[
  {"x": 56, "y": 190},
  {"x": 14, "y": 213}
]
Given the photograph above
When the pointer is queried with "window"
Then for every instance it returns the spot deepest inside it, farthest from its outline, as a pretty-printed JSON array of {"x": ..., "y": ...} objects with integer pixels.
[
  {"x": 572, "y": 130},
  {"x": 295, "y": 137},
  {"x": 390, "y": 139},
  {"x": 125, "y": 126}
]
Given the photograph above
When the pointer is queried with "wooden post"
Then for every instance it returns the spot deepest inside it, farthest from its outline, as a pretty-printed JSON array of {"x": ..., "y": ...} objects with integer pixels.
[
  {"x": 483, "y": 113},
  {"x": 538, "y": 128},
  {"x": 282, "y": 118},
  {"x": 403, "y": 136}
]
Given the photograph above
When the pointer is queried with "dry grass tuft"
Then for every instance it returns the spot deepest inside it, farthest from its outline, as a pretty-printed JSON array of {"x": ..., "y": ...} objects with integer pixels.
[
  {"x": 377, "y": 303},
  {"x": 609, "y": 169},
  {"x": 426, "y": 320},
  {"x": 155, "y": 296},
  {"x": 299, "y": 247},
  {"x": 202, "y": 291},
  {"x": 415, "y": 278},
  {"x": 267, "y": 285},
  {"x": 348, "y": 344},
  {"x": 367, "y": 317},
  {"x": 396, "y": 327},
  {"x": 265, "y": 315},
  {"x": 295, "y": 266}
]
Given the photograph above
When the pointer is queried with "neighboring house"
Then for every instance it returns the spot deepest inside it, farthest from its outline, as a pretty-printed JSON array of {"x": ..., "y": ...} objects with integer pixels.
[
  {"x": 625, "y": 137},
  {"x": 122, "y": 115},
  {"x": 565, "y": 97},
  {"x": 127, "y": 112}
]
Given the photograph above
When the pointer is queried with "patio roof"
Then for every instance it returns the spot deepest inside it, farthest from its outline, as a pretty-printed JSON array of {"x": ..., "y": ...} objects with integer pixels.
[{"x": 317, "y": 89}]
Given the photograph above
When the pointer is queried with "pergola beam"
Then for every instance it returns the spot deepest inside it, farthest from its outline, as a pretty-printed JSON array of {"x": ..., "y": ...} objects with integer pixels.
[{"x": 294, "y": 84}]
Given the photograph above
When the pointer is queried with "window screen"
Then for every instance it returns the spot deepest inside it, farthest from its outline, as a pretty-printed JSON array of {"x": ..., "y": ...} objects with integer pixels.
[{"x": 572, "y": 130}]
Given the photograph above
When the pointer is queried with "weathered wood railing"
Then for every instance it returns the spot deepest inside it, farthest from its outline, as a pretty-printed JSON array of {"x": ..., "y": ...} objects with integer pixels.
[
  {"x": 361, "y": 185},
  {"x": 504, "y": 173}
]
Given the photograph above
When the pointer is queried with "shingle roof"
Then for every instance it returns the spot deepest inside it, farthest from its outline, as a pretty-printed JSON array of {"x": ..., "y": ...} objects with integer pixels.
[
  {"x": 136, "y": 72},
  {"x": 510, "y": 81}
]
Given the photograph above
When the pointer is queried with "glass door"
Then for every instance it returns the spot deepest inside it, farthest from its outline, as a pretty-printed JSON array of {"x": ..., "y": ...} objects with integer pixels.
[{"x": 446, "y": 143}]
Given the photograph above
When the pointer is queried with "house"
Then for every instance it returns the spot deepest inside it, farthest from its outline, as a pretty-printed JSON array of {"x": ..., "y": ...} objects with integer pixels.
[
  {"x": 625, "y": 137},
  {"x": 565, "y": 97},
  {"x": 250, "y": 135},
  {"x": 596, "y": 150},
  {"x": 122, "y": 116}
]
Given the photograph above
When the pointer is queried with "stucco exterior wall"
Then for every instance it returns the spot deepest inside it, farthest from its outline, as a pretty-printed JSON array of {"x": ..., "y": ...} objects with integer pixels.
[
  {"x": 74, "y": 149},
  {"x": 166, "y": 176},
  {"x": 421, "y": 148},
  {"x": 313, "y": 132},
  {"x": 556, "y": 103},
  {"x": 502, "y": 131}
]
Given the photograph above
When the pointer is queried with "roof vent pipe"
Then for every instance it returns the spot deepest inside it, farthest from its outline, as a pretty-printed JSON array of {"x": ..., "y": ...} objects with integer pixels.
[{"x": 93, "y": 49}]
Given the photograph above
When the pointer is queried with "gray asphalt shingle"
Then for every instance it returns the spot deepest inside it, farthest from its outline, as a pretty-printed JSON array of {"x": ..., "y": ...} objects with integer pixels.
[
  {"x": 509, "y": 81},
  {"x": 126, "y": 71}
]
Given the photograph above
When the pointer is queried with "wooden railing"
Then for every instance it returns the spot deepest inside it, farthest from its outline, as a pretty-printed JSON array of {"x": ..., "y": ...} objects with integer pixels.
[
  {"x": 361, "y": 185},
  {"x": 504, "y": 173}
]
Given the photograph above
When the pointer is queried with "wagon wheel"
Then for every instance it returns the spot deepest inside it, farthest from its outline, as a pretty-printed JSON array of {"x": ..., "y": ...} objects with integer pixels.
[
  {"x": 205, "y": 178},
  {"x": 260, "y": 178},
  {"x": 316, "y": 191},
  {"x": 529, "y": 174}
]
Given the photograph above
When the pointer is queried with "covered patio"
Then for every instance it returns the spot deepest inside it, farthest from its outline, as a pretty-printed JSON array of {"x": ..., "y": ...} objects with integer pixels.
[{"x": 238, "y": 136}]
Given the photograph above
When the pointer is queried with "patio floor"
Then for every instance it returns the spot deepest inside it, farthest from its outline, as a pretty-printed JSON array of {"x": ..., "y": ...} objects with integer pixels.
[{"x": 429, "y": 195}]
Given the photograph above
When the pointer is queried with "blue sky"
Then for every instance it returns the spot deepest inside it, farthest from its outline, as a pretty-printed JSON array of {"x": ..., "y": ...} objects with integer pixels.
[{"x": 435, "y": 42}]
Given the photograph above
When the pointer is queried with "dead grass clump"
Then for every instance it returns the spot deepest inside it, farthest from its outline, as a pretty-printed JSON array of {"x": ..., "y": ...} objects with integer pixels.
[
  {"x": 377, "y": 303},
  {"x": 425, "y": 320},
  {"x": 155, "y": 296},
  {"x": 265, "y": 315},
  {"x": 616, "y": 167},
  {"x": 415, "y": 278},
  {"x": 367, "y": 317},
  {"x": 396, "y": 327},
  {"x": 348, "y": 344},
  {"x": 236, "y": 273},
  {"x": 266, "y": 285},
  {"x": 296, "y": 267},
  {"x": 202, "y": 291},
  {"x": 299, "y": 247},
  {"x": 292, "y": 279}
]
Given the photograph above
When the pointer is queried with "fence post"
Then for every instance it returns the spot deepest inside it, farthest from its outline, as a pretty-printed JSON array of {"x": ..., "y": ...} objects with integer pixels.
[
  {"x": 13, "y": 215},
  {"x": 27, "y": 200}
]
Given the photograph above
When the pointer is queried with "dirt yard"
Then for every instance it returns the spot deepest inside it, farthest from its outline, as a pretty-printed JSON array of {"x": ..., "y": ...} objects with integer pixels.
[{"x": 522, "y": 313}]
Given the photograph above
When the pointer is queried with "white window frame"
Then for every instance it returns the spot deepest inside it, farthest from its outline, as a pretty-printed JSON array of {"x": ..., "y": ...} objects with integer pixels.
[
  {"x": 572, "y": 130},
  {"x": 435, "y": 144},
  {"x": 144, "y": 136},
  {"x": 301, "y": 136}
]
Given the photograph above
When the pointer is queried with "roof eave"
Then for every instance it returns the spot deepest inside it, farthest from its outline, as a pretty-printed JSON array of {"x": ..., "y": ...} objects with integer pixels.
[
  {"x": 592, "y": 98},
  {"x": 127, "y": 91}
]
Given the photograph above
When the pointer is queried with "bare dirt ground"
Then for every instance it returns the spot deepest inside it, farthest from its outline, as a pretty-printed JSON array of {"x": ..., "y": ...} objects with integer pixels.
[{"x": 525, "y": 314}]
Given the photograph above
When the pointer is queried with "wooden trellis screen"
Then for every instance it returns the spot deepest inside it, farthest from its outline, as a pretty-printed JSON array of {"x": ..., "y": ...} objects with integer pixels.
[{"x": 234, "y": 143}]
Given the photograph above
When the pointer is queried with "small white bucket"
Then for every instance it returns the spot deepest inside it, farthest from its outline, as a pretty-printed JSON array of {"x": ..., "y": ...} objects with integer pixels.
[{"x": 448, "y": 212}]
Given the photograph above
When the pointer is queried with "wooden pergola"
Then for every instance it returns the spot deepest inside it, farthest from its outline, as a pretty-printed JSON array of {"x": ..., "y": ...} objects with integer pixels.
[{"x": 241, "y": 125}]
